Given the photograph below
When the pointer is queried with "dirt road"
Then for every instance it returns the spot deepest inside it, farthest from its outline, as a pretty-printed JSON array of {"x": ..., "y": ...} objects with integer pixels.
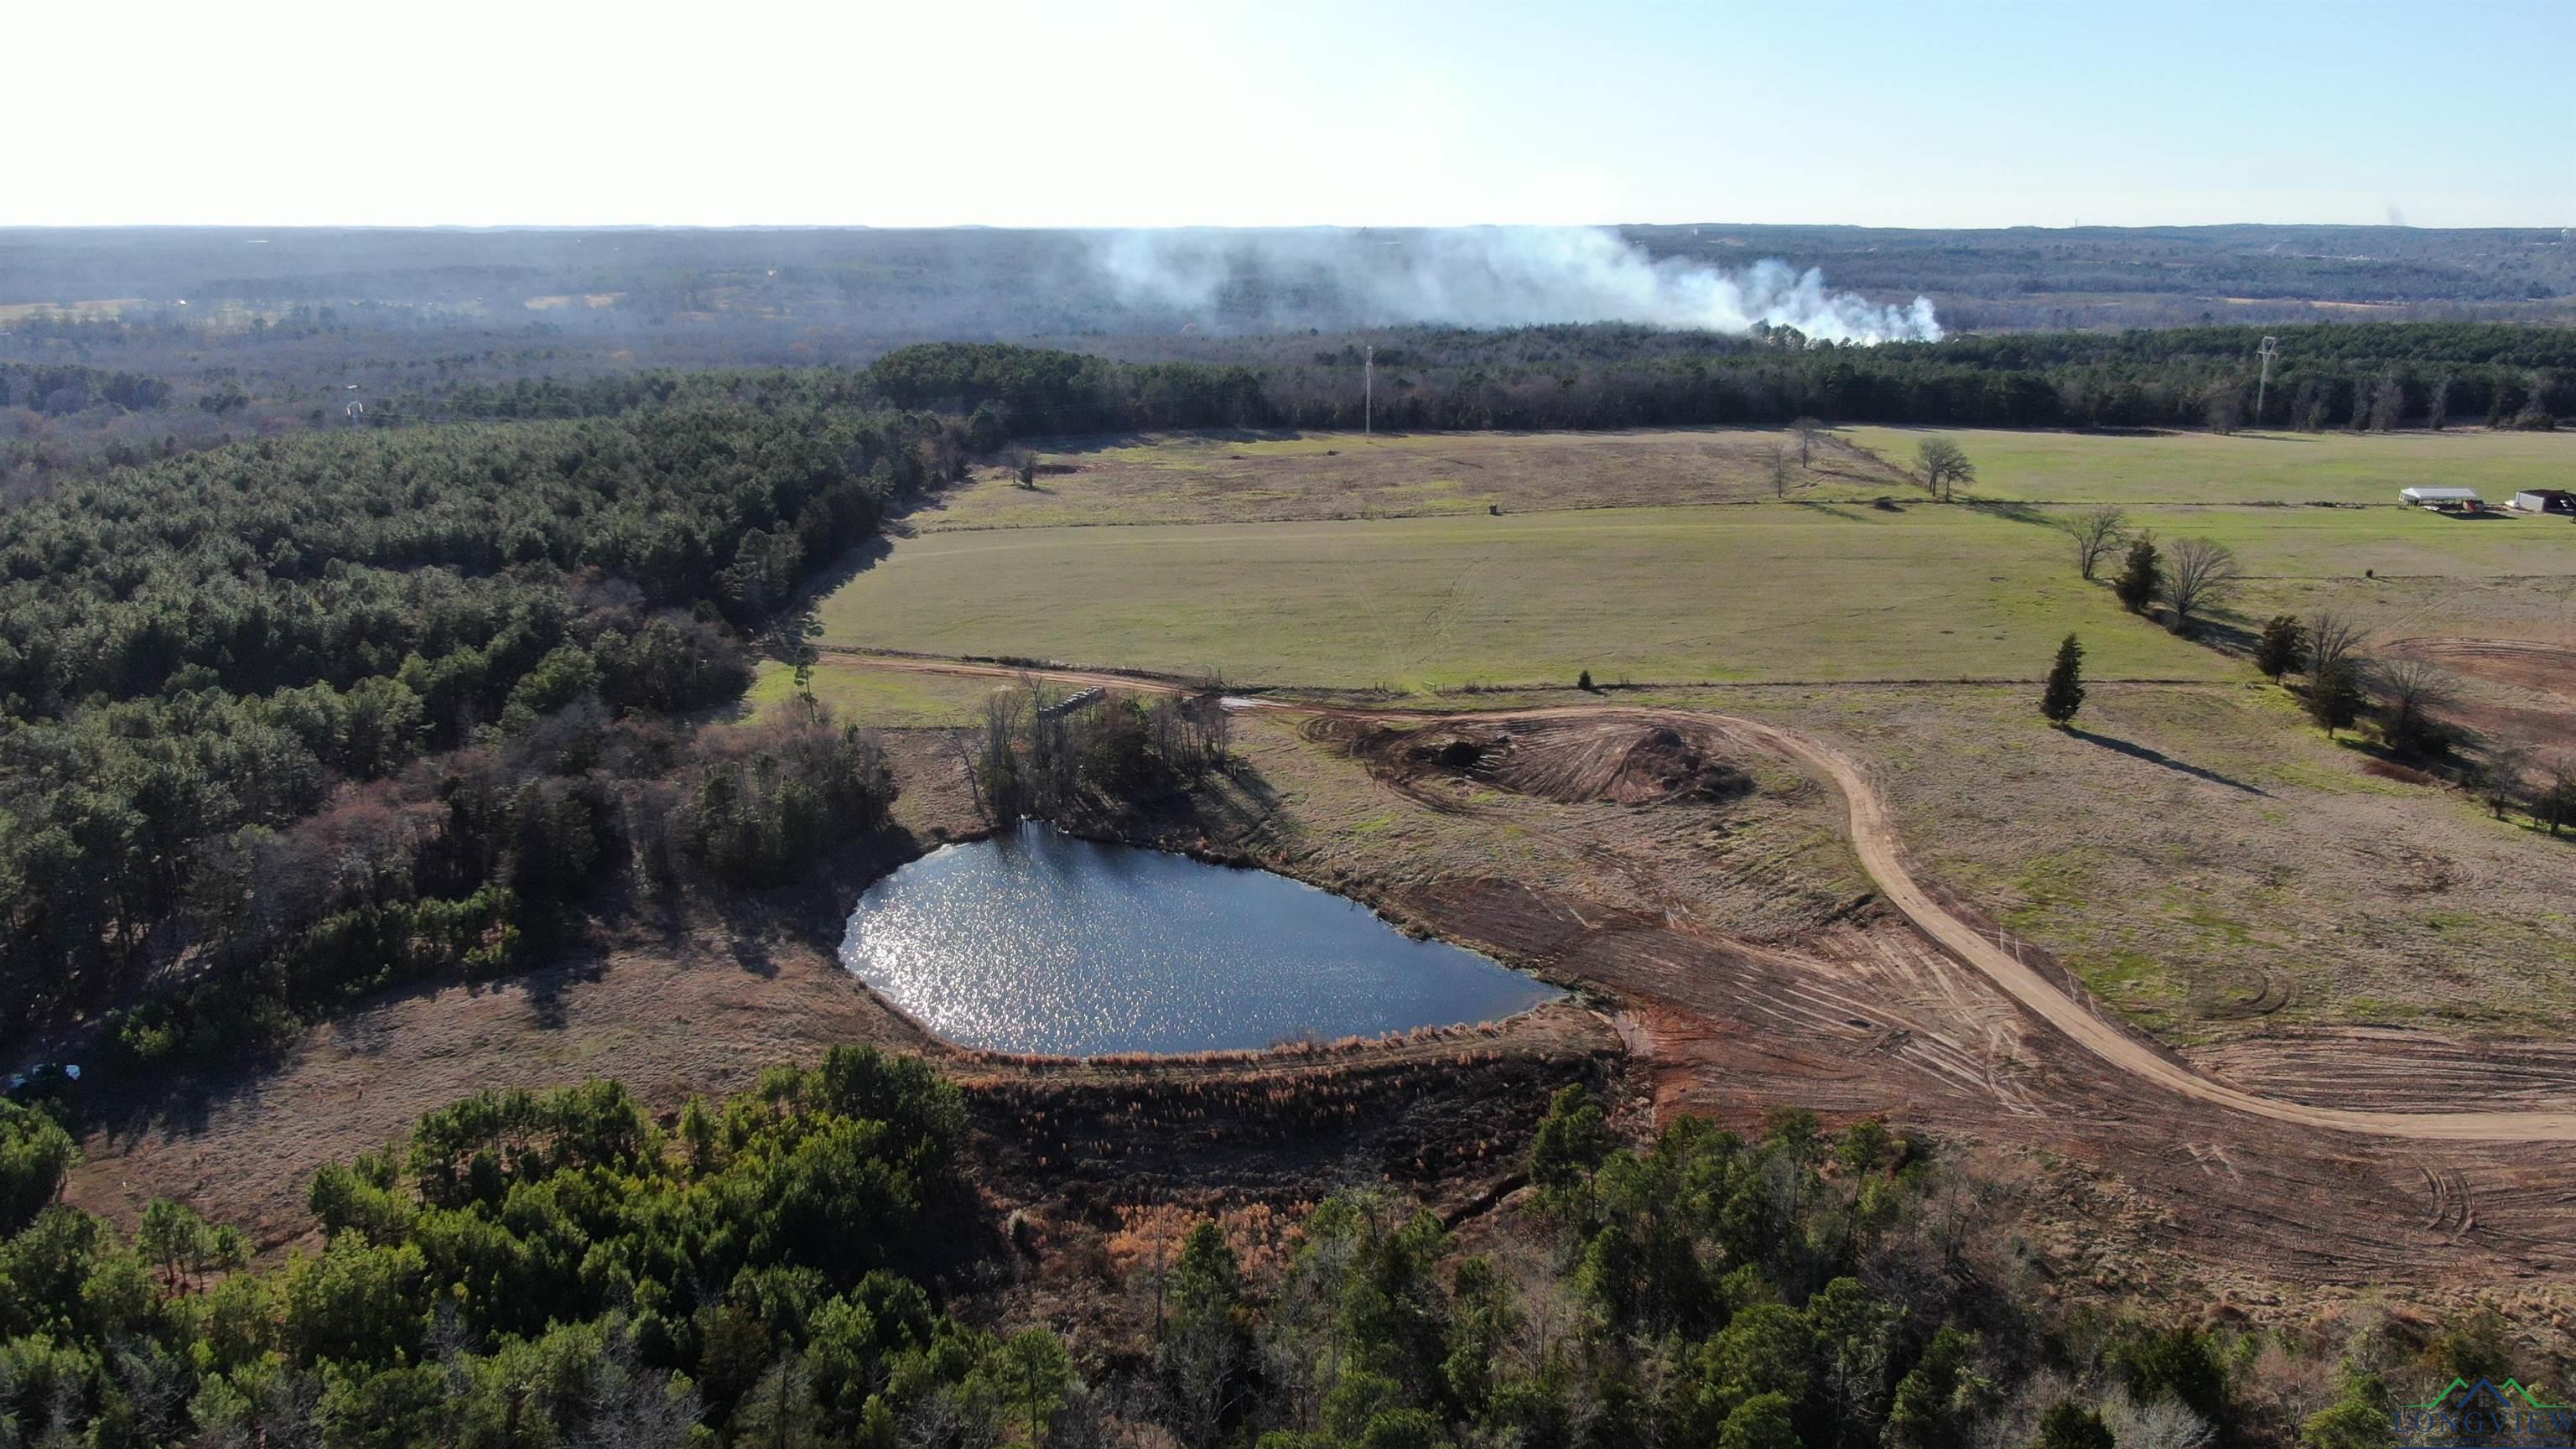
[{"x": 1874, "y": 839}]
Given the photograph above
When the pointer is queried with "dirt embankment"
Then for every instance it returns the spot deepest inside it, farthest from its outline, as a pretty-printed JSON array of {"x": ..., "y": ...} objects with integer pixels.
[
  {"x": 1570, "y": 761},
  {"x": 1445, "y": 1113}
]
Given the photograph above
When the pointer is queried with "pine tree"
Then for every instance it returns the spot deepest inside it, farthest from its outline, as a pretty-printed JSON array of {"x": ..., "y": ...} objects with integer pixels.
[
  {"x": 2065, "y": 692},
  {"x": 2140, "y": 577},
  {"x": 2334, "y": 695},
  {"x": 2070, "y": 1425},
  {"x": 2283, "y": 648}
]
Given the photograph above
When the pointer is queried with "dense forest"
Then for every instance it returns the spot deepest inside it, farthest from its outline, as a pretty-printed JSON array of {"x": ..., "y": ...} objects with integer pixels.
[
  {"x": 292, "y": 719},
  {"x": 807, "y": 1264}
]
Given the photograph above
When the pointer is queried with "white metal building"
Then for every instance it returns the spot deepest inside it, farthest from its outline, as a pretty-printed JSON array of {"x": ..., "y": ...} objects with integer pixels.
[{"x": 2440, "y": 497}]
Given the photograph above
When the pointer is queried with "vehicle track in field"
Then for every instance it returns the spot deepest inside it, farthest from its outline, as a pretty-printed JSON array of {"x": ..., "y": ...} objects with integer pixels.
[{"x": 1874, "y": 840}]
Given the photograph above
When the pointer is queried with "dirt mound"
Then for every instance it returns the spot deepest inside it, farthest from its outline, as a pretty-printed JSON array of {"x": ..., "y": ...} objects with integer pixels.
[{"x": 1570, "y": 761}]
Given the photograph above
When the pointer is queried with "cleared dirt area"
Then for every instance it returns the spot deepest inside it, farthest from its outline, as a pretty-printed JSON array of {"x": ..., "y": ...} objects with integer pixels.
[
  {"x": 2522, "y": 663},
  {"x": 1622, "y": 760},
  {"x": 2506, "y": 691},
  {"x": 1259, "y": 477}
]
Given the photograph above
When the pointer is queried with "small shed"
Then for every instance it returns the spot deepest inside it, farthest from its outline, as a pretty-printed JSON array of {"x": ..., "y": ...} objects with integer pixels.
[
  {"x": 2545, "y": 500},
  {"x": 2446, "y": 499}
]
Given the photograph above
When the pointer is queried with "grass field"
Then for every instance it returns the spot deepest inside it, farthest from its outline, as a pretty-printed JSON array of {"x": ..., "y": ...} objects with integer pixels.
[
  {"x": 1387, "y": 566},
  {"x": 2131, "y": 468},
  {"x": 1777, "y": 592},
  {"x": 883, "y": 698}
]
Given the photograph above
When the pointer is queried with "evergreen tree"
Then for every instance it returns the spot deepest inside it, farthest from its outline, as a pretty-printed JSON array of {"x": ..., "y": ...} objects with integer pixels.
[
  {"x": 2140, "y": 577},
  {"x": 2283, "y": 649},
  {"x": 2335, "y": 696},
  {"x": 2070, "y": 1425},
  {"x": 2065, "y": 692}
]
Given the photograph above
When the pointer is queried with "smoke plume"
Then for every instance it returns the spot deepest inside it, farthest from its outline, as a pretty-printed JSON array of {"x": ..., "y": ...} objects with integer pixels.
[{"x": 1477, "y": 277}]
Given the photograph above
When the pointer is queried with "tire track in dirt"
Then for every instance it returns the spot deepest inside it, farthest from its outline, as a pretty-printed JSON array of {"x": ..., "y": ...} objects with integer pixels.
[{"x": 1874, "y": 840}]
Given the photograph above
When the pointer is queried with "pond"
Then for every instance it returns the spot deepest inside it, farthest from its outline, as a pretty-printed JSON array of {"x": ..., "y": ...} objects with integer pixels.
[{"x": 1037, "y": 941}]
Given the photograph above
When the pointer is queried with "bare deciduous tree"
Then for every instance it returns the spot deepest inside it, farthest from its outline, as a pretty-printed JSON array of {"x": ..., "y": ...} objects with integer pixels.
[
  {"x": 2224, "y": 407},
  {"x": 1943, "y": 465},
  {"x": 1807, "y": 429},
  {"x": 2333, "y": 639},
  {"x": 2387, "y": 403},
  {"x": 2437, "y": 404},
  {"x": 2097, "y": 535},
  {"x": 1779, "y": 471},
  {"x": 2412, "y": 692},
  {"x": 2500, "y": 774},
  {"x": 2555, "y": 801},
  {"x": 2198, "y": 574},
  {"x": 2155, "y": 1424}
]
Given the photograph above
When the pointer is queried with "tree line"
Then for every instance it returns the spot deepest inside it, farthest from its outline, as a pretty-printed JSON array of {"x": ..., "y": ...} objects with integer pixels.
[{"x": 2371, "y": 376}]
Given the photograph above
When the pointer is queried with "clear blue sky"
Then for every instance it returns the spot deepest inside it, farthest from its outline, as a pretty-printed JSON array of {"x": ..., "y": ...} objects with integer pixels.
[{"x": 274, "y": 112}]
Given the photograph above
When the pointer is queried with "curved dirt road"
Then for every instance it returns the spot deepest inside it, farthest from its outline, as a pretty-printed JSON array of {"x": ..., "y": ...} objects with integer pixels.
[{"x": 1874, "y": 839}]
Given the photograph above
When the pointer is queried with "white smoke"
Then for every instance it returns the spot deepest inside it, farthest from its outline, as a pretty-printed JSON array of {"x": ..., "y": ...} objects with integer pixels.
[{"x": 1479, "y": 277}]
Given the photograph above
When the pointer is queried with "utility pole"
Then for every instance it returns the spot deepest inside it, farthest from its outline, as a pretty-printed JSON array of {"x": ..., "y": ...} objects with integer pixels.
[
  {"x": 1368, "y": 391},
  {"x": 2270, "y": 349}
]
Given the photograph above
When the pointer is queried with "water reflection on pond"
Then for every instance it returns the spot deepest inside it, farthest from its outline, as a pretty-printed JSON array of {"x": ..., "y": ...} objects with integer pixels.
[{"x": 1039, "y": 942}]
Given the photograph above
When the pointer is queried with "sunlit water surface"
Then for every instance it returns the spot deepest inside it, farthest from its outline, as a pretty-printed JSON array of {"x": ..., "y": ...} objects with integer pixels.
[{"x": 1039, "y": 942}]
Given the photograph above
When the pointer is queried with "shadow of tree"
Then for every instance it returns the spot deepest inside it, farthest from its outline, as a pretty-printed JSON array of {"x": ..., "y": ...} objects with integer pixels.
[
  {"x": 2009, "y": 510},
  {"x": 2154, "y": 756}
]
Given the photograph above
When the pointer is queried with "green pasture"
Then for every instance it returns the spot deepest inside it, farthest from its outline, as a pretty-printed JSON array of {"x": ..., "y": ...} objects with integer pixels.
[
  {"x": 882, "y": 698},
  {"x": 2153, "y": 467},
  {"x": 1827, "y": 592}
]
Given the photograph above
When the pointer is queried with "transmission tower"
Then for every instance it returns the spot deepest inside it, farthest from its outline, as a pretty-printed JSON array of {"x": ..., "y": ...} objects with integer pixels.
[
  {"x": 2270, "y": 349},
  {"x": 1368, "y": 392}
]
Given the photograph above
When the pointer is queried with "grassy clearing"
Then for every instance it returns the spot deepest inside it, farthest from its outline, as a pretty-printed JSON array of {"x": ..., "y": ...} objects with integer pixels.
[
  {"x": 2132, "y": 468},
  {"x": 1771, "y": 593},
  {"x": 883, "y": 698},
  {"x": 1200, "y": 478}
]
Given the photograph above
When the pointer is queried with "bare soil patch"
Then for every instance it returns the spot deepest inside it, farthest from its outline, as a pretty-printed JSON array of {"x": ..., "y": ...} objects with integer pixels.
[
  {"x": 1622, "y": 761},
  {"x": 2549, "y": 668}
]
